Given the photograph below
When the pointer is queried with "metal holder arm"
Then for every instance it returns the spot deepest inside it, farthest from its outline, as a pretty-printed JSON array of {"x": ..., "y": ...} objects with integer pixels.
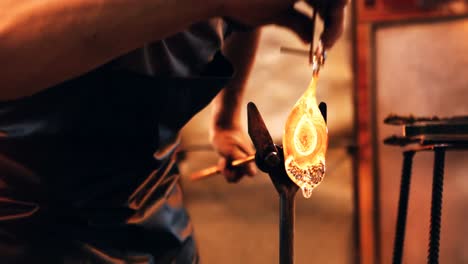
[{"x": 269, "y": 158}]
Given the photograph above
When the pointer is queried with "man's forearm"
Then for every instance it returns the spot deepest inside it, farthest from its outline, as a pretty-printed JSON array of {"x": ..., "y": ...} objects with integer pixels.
[
  {"x": 45, "y": 42},
  {"x": 227, "y": 106}
]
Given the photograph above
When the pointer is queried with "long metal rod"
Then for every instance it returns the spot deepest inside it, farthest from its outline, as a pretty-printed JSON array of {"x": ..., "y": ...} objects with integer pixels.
[
  {"x": 436, "y": 205},
  {"x": 294, "y": 51},
  {"x": 403, "y": 207},
  {"x": 211, "y": 171},
  {"x": 287, "y": 208}
]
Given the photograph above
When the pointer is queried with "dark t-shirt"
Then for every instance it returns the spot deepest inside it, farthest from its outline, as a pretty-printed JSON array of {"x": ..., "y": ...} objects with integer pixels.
[
  {"x": 86, "y": 167},
  {"x": 182, "y": 55}
]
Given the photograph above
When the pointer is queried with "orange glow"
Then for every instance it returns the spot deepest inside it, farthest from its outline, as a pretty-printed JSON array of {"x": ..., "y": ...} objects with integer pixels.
[{"x": 305, "y": 142}]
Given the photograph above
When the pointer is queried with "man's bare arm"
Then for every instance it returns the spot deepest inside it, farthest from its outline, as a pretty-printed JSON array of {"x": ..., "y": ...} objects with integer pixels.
[
  {"x": 240, "y": 49},
  {"x": 226, "y": 131},
  {"x": 45, "y": 42}
]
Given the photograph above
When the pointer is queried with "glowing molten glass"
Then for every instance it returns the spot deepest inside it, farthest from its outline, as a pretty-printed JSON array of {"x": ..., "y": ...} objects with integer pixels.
[{"x": 305, "y": 142}]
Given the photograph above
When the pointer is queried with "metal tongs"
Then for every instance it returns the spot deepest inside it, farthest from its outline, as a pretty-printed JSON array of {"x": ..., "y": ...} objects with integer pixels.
[{"x": 317, "y": 56}]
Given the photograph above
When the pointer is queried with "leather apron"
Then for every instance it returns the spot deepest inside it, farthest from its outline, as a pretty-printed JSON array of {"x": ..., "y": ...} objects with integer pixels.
[{"x": 87, "y": 169}]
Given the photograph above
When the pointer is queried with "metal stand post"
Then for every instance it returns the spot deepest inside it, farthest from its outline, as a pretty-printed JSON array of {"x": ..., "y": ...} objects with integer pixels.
[
  {"x": 269, "y": 158},
  {"x": 403, "y": 207},
  {"x": 287, "y": 207},
  {"x": 436, "y": 205}
]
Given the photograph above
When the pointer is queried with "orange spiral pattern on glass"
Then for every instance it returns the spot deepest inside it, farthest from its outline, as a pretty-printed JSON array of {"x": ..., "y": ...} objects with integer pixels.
[{"x": 305, "y": 142}]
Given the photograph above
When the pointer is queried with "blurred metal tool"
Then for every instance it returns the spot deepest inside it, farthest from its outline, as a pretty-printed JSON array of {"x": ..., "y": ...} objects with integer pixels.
[
  {"x": 211, "y": 171},
  {"x": 294, "y": 51},
  {"x": 311, "y": 49},
  {"x": 316, "y": 55},
  {"x": 318, "y": 59}
]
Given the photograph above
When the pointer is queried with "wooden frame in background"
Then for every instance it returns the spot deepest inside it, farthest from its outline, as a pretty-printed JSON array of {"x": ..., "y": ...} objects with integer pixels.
[{"x": 368, "y": 16}]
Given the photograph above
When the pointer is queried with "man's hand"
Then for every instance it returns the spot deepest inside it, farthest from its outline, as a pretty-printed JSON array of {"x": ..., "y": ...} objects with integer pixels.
[
  {"x": 232, "y": 144},
  {"x": 283, "y": 13},
  {"x": 332, "y": 13}
]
